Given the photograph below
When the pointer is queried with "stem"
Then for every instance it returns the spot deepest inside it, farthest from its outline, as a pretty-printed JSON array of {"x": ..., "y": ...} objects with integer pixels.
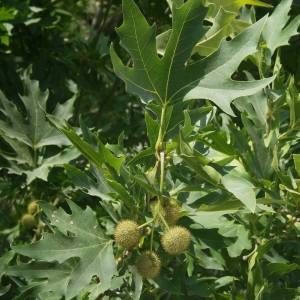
[
  {"x": 151, "y": 239},
  {"x": 162, "y": 171},
  {"x": 161, "y": 133},
  {"x": 145, "y": 224},
  {"x": 160, "y": 159},
  {"x": 35, "y": 157},
  {"x": 163, "y": 220},
  {"x": 159, "y": 147}
]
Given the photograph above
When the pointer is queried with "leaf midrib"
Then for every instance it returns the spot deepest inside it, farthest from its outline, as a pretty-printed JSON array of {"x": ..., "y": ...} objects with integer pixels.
[
  {"x": 79, "y": 230},
  {"x": 174, "y": 55},
  {"x": 68, "y": 249},
  {"x": 142, "y": 58}
]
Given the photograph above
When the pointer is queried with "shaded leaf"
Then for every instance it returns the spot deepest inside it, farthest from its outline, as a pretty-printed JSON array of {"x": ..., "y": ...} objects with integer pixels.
[
  {"x": 97, "y": 157},
  {"x": 297, "y": 162},
  {"x": 28, "y": 134}
]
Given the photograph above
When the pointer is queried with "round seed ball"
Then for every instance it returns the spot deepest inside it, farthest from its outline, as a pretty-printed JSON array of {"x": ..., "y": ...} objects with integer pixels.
[
  {"x": 127, "y": 234},
  {"x": 148, "y": 264},
  {"x": 176, "y": 240},
  {"x": 32, "y": 207},
  {"x": 28, "y": 221},
  {"x": 172, "y": 212}
]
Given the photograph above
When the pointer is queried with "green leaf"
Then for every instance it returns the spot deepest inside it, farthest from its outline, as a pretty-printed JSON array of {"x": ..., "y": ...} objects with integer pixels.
[
  {"x": 242, "y": 241},
  {"x": 277, "y": 30},
  {"x": 33, "y": 130},
  {"x": 58, "y": 160},
  {"x": 142, "y": 155},
  {"x": 120, "y": 190},
  {"x": 44, "y": 279},
  {"x": 97, "y": 157},
  {"x": 280, "y": 269},
  {"x": 241, "y": 188},
  {"x": 262, "y": 155},
  {"x": 206, "y": 261},
  {"x": 256, "y": 107},
  {"x": 171, "y": 3},
  {"x": 220, "y": 29},
  {"x": 152, "y": 129},
  {"x": 110, "y": 158},
  {"x": 29, "y": 134},
  {"x": 281, "y": 293},
  {"x": 296, "y": 158},
  {"x": 94, "y": 185},
  {"x": 225, "y": 280},
  {"x": 170, "y": 79},
  {"x": 76, "y": 236},
  {"x": 152, "y": 77},
  {"x": 210, "y": 219},
  {"x": 7, "y": 14},
  {"x": 4, "y": 289},
  {"x": 138, "y": 282},
  {"x": 235, "y": 5},
  {"x": 4, "y": 261},
  {"x": 215, "y": 82}
]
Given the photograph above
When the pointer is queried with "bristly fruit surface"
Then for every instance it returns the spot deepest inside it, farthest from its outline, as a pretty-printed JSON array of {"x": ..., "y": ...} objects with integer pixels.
[
  {"x": 148, "y": 264},
  {"x": 172, "y": 212},
  {"x": 28, "y": 221},
  {"x": 127, "y": 234},
  {"x": 176, "y": 240},
  {"x": 32, "y": 207}
]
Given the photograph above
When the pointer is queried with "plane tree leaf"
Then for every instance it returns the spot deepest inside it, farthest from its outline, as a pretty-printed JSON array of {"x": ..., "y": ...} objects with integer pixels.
[
  {"x": 173, "y": 77},
  {"x": 242, "y": 241},
  {"x": 101, "y": 155},
  {"x": 26, "y": 132},
  {"x": 44, "y": 279},
  {"x": 241, "y": 188},
  {"x": 78, "y": 249},
  {"x": 221, "y": 27},
  {"x": 297, "y": 163},
  {"x": 278, "y": 30},
  {"x": 235, "y": 5},
  {"x": 4, "y": 261},
  {"x": 226, "y": 22},
  {"x": 33, "y": 129}
]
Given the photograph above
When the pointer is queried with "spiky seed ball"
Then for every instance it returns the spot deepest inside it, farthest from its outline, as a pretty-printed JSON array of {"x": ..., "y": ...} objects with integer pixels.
[
  {"x": 148, "y": 264},
  {"x": 32, "y": 207},
  {"x": 156, "y": 208},
  {"x": 176, "y": 240},
  {"x": 28, "y": 221},
  {"x": 172, "y": 212},
  {"x": 127, "y": 234}
]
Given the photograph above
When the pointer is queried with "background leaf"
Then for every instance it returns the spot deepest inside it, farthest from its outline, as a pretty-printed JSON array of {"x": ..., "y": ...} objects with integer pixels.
[{"x": 76, "y": 236}]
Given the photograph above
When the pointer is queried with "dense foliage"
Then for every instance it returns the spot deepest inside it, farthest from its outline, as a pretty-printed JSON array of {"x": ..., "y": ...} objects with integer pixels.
[{"x": 149, "y": 149}]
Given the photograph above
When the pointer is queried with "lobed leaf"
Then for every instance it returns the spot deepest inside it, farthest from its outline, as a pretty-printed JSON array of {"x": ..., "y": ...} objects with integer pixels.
[
  {"x": 77, "y": 236},
  {"x": 172, "y": 77}
]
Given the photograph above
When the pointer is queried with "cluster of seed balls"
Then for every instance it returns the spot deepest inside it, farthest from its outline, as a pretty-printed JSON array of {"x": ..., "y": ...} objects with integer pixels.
[
  {"x": 174, "y": 241},
  {"x": 28, "y": 220}
]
